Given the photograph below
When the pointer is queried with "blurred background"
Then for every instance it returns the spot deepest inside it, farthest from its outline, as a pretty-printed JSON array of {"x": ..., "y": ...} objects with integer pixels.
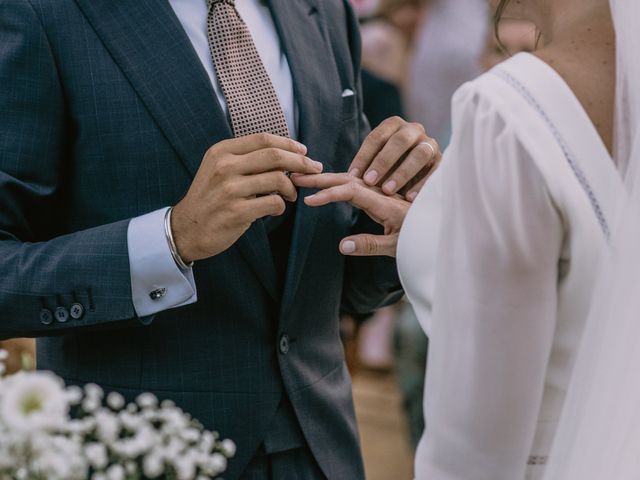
[{"x": 416, "y": 53}]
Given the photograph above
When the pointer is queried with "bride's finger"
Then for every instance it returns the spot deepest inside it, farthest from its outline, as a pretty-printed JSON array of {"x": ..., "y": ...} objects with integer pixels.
[
  {"x": 366, "y": 245},
  {"x": 423, "y": 157},
  {"x": 358, "y": 195},
  {"x": 324, "y": 180},
  {"x": 375, "y": 204},
  {"x": 394, "y": 151},
  {"x": 372, "y": 145},
  {"x": 413, "y": 192}
]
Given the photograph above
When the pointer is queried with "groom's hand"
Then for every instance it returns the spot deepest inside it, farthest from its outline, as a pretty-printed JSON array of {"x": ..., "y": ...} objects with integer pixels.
[
  {"x": 398, "y": 157},
  {"x": 236, "y": 184}
]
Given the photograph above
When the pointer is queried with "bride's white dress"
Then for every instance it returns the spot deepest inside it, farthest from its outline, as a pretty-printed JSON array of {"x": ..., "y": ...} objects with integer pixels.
[{"x": 499, "y": 257}]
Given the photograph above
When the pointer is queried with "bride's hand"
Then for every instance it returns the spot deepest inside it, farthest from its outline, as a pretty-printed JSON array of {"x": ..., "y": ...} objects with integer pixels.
[
  {"x": 398, "y": 157},
  {"x": 388, "y": 211}
]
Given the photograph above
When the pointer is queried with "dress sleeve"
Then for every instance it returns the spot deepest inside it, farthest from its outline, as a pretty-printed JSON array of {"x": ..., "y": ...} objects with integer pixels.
[{"x": 495, "y": 301}]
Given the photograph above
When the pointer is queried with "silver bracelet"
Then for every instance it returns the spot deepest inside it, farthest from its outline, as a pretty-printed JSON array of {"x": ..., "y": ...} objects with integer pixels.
[{"x": 172, "y": 244}]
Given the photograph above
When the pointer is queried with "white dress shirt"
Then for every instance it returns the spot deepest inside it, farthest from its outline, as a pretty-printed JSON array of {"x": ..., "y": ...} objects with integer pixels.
[{"x": 151, "y": 265}]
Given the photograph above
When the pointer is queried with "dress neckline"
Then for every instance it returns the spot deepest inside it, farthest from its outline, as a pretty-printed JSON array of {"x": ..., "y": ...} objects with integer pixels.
[
  {"x": 547, "y": 92},
  {"x": 570, "y": 97}
]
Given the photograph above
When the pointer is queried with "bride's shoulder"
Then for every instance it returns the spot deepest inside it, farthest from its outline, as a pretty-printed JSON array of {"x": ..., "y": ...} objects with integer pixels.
[{"x": 495, "y": 94}]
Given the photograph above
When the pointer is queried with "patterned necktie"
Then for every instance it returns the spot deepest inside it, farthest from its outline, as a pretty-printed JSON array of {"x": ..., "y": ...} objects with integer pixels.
[{"x": 252, "y": 101}]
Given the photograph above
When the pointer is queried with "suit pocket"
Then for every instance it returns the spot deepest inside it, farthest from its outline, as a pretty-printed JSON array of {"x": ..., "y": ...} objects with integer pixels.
[{"x": 349, "y": 105}]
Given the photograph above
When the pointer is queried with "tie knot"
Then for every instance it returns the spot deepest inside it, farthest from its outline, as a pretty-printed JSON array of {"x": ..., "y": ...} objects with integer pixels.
[{"x": 228, "y": 2}]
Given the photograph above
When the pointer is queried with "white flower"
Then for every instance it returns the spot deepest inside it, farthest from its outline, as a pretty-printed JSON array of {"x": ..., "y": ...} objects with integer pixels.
[
  {"x": 107, "y": 426},
  {"x": 130, "y": 421},
  {"x": 147, "y": 400},
  {"x": 90, "y": 404},
  {"x": 185, "y": 467},
  {"x": 142, "y": 442},
  {"x": 33, "y": 401},
  {"x": 207, "y": 442},
  {"x": 74, "y": 395},
  {"x": 116, "y": 472},
  {"x": 77, "y": 427},
  {"x": 130, "y": 467},
  {"x": 56, "y": 458},
  {"x": 38, "y": 439},
  {"x": 22, "y": 473},
  {"x": 190, "y": 435},
  {"x": 218, "y": 463},
  {"x": 115, "y": 401},
  {"x": 228, "y": 448},
  {"x": 94, "y": 391},
  {"x": 152, "y": 465},
  {"x": 97, "y": 455}
]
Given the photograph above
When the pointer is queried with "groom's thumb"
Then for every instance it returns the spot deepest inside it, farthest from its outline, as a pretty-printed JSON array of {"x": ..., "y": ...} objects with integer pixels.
[{"x": 366, "y": 245}]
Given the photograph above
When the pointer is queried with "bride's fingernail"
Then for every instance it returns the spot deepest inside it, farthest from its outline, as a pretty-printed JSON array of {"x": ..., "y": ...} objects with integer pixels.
[
  {"x": 354, "y": 172},
  {"x": 309, "y": 197},
  {"x": 371, "y": 177},
  {"x": 348, "y": 247},
  {"x": 412, "y": 196},
  {"x": 390, "y": 186}
]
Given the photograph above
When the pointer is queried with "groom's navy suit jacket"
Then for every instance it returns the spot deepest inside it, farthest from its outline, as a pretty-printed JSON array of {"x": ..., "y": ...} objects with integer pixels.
[{"x": 105, "y": 115}]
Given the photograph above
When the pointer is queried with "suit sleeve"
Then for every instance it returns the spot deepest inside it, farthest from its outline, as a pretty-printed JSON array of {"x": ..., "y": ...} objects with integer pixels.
[
  {"x": 370, "y": 282},
  {"x": 49, "y": 282}
]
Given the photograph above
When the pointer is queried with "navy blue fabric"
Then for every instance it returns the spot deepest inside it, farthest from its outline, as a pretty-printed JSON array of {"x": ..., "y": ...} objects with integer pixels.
[
  {"x": 295, "y": 464},
  {"x": 105, "y": 114}
]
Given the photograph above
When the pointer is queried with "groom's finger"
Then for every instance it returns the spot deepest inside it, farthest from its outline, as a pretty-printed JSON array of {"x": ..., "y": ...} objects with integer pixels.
[{"x": 366, "y": 245}]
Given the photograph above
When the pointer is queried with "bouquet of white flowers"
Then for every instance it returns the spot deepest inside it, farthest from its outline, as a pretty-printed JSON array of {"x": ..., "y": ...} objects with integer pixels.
[{"x": 104, "y": 439}]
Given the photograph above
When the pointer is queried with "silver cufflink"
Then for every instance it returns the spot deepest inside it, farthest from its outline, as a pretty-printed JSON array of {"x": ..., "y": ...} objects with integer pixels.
[{"x": 158, "y": 294}]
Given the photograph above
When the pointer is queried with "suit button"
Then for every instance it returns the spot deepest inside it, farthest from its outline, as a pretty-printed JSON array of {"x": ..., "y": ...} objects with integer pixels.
[
  {"x": 46, "y": 317},
  {"x": 76, "y": 311},
  {"x": 284, "y": 344},
  {"x": 62, "y": 314}
]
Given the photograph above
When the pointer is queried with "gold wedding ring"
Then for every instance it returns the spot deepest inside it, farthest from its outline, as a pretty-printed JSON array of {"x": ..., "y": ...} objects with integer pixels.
[{"x": 434, "y": 154}]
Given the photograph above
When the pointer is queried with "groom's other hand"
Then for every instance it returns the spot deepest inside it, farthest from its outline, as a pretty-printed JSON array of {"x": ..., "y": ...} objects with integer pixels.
[
  {"x": 397, "y": 156},
  {"x": 235, "y": 186}
]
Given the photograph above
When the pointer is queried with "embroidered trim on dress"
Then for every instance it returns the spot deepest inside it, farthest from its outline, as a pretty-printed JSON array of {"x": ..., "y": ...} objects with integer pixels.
[{"x": 568, "y": 153}]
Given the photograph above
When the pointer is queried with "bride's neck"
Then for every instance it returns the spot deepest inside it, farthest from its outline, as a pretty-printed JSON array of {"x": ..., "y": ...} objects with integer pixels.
[{"x": 559, "y": 19}]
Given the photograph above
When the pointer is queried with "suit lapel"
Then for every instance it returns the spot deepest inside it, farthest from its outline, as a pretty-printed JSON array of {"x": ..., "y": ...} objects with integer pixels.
[
  {"x": 147, "y": 41},
  {"x": 317, "y": 91}
]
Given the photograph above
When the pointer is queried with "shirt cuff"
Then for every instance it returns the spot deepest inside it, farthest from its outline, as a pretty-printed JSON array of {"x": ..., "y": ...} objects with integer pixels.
[{"x": 157, "y": 283}]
